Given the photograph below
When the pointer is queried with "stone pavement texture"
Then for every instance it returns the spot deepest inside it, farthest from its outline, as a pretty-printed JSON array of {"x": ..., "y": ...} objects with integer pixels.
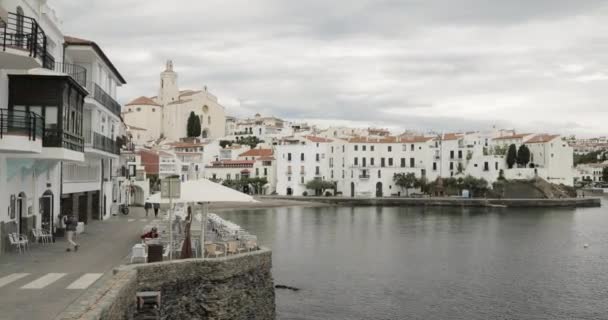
[{"x": 42, "y": 282}]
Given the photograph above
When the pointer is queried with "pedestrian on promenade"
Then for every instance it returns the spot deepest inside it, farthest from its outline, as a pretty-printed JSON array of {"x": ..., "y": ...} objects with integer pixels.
[
  {"x": 70, "y": 227},
  {"x": 147, "y": 206},
  {"x": 156, "y": 207}
]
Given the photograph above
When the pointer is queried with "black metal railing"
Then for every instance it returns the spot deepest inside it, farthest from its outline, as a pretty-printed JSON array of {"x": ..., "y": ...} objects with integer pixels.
[
  {"x": 16, "y": 122},
  {"x": 56, "y": 138},
  {"x": 23, "y": 33},
  {"x": 105, "y": 99},
  {"x": 103, "y": 143},
  {"x": 76, "y": 72}
]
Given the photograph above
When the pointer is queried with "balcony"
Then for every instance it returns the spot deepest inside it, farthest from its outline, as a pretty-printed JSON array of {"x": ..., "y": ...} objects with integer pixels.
[
  {"x": 54, "y": 138},
  {"x": 364, "y": 176},
  {"x": 76, "y": 72},
  {"x": 20, "y": 131},
  {"x": 103, "y": 143},
  {"x": 104, "y": 99},
  {"x": 23, "y": 43}
]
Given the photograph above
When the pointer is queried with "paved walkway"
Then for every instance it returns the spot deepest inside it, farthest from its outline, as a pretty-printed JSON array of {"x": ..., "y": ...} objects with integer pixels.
[{"x": 42, "y": 282}]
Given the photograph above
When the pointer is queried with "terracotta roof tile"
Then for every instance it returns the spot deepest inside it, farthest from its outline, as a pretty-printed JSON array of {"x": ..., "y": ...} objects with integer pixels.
[
  {"x": 318, "y": 139},
  {"x": 542, "y": 138},
  {"x": 515, "y": 136},
  {"x": 257, "y": 153},
  {"x": 142, "y": 101}
]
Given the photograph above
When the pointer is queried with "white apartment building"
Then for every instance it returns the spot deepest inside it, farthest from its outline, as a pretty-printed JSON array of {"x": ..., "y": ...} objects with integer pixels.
[
  {"x": 88, "y": 187},
  {"x": 300, "y": 160},
  {"x": 41, "y": 116}
]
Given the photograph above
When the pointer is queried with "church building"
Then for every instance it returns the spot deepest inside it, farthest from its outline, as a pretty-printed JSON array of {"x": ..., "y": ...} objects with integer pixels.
[{"x": 166, "y": 115}]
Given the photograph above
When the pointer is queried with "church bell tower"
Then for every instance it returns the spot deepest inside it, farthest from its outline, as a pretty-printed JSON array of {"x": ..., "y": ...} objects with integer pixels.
[{"x": 169, "y": 91}]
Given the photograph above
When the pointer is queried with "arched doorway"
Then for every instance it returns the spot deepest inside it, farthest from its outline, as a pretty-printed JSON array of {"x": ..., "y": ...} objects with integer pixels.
[
  {"x": 136, "y": 196},
  {"x": 46, "y": 211},
  {"x": 379, "y": 189},
  {"x": 22, "y": 212},
  {"x": 352, "y": 189},
  {"x": 289, "y": 191}
]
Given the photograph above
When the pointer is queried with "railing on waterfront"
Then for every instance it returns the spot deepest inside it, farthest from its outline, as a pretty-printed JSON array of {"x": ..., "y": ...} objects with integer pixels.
[
  {"x": 103, "y": 143},
  {"x": 56, "y": 138},
  {"x": 17, "y": 122},
  {"x": 23, "y": 33},
  {"x": 104, "y": 98}
]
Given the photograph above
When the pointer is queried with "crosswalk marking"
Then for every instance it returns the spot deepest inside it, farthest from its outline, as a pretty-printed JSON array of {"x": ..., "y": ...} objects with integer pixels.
[
  {"x": 85, "y": 281},
  {"x": 44, "y": 281},
  {"x": 12, "y": 278},
  {"x": 130, "y": 220}
]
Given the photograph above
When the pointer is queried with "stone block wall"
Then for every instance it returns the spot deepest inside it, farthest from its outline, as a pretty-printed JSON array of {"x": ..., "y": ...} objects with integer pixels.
[{"x": 235, "y": 287}]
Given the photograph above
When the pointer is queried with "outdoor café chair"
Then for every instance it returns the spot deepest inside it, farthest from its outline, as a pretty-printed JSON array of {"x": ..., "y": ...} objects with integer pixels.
[
  {"x": 139, "y": 252},
  {"x": 211, "y": 249}
]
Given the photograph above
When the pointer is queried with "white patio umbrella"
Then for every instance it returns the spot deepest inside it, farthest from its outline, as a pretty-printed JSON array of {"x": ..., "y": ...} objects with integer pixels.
[{"x": 203, "y": 191}]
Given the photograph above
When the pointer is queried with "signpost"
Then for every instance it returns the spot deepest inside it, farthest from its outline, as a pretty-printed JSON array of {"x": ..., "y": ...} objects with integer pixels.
[{"x": 170, "y": 188}]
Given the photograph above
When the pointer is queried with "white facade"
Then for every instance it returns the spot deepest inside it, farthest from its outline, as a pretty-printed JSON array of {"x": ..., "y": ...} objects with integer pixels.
[{"x": 166, "y": 115}]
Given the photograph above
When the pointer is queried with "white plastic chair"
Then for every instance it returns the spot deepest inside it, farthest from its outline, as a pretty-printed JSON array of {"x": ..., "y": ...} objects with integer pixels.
[
  {"x": 18, "y": 241},
  {"x": 139, "y": 252}
]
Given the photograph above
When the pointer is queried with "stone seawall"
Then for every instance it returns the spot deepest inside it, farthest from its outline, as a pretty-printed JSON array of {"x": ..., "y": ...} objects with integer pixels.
[
  {"x": 449, "y": 202},
  {"x": 235, "y": 287}
]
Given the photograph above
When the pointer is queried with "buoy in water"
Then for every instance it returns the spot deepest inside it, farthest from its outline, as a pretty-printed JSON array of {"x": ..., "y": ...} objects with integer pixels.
[{"x": 586, "y": 245}]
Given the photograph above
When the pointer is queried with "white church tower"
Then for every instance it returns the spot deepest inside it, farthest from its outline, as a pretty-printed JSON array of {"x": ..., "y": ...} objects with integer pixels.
[{"x": 169, "y": 92}]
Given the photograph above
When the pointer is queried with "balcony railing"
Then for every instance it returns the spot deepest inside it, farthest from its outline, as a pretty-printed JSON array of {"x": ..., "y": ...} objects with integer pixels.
[
  {"x": 364, "y": 176},
  {"x": 103, "y": 143},
  {"x": 23, "y": 33},
  {"x": 17, "y": 122},
  {"x": 76, "y": 72},
  {"x": 105, "y": 99},
  {"x": 56, "y": 138}
]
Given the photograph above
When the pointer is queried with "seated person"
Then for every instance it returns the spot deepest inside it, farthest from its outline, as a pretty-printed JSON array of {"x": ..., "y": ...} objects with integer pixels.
[{"x": 151, "y": 234}]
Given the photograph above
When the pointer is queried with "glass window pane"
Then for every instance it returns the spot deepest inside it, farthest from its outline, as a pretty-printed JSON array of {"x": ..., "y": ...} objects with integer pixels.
[{"x": 50, "y": 117}]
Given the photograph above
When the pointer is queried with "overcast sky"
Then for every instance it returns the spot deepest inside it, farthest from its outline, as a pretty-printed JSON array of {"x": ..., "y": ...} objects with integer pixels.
[{"x": 538, "y": 65}]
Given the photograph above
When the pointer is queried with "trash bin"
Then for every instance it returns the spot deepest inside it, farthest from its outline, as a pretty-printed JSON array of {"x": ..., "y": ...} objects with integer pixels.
[{"x": 155, "y": 252}]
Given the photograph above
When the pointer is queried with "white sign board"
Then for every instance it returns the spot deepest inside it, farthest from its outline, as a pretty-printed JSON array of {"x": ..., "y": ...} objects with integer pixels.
[{"x": 170, "y": 188}]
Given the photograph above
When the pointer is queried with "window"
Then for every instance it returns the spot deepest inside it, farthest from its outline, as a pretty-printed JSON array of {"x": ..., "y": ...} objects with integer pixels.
[
  {"x": 356, "y": 147},
  {"x": 342, "y": 174},
  {"x": 317, "y": 157},
  {"x": 390, "y": 162},
  {"x": 342, "y": 148},
  {"x": 382, "y": 164},
  {"x": 495, "y": 165},
  {"x": 317, "y": 170},
  {"x": 363, "y": 147},
  {"x": 451, "y": 154},
  {"x": 390, "y": 148},
  {"x": 302, "y": 180},
  {"x": 434, "y": 166},
  {"x": 332, "y": 174},
  {"x": 363, "y": 161},
  {"x": 205, "y": 109},
  {"x": 451, "y": 165},
  {"x": 371, "y": 161},
  {"x": 356, "y": 161},
  {"x": 412, "y": 162},
  {"x": 301, "y": 156},
  {"x": 302, "y": 169},
  {"x": 486, "y": 166},
  {"x": 412, "y": 147},
  {"x": 208, "y": 119},
  {"x": 153, "y": 109},
  {"x": 402, "y": 162},
  {"x": 371, "y": 148},
  {"x": 332, "y": 149},
  {"x": 459, "y": 154},
  {"x": 404, "y": 147},
  {"x": 257, "y": 171},
  {"x": 138, "y": 109},
  {"x": 228, "y": 176},
  {"x": 379, "y": 174},
  {"x": 289, "y": 156},
  {"x": 265, "y": 171}
]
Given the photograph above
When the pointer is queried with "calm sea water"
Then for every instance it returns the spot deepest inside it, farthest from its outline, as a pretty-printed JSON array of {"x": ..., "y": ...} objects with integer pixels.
[{"x": 436, "y": 263}]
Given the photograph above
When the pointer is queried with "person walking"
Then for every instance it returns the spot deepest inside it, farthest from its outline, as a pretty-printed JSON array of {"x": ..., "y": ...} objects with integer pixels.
[
  {"x": 70, "y": 227},
  {"x": 156, "y": 207},
  {"x": 147, "y": 206}
]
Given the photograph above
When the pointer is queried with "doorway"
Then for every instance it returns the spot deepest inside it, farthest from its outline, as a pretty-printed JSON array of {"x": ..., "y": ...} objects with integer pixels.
[
  {"x": 289, "y": 191},
  {"x": 95, "y": 206},
  {"x": 46, "y": 211},
  {"x": 352, "y": 189},
  {"x": 379, "y": 190},
  {"x": 82, "y": 209}
]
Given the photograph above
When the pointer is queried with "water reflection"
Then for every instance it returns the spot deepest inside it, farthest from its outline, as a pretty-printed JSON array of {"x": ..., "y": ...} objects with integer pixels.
[{"x": 435, "y": 263}]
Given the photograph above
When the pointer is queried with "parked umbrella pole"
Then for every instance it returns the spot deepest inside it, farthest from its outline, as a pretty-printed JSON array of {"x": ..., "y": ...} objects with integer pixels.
[{"x": 203, "y": 226}]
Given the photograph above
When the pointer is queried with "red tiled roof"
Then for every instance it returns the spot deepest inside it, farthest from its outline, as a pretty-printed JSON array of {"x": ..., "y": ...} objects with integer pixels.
[
  {"x": 186, "y": 144},
  {"x": 180, "y": 101},
  {"x": 318, "y": 139},
  {"x": 542, "y": 138},
  {"x": 142, "y": 101},
  {"x": 266, "y": 158},
  {"x": 451, "y": 136},
  {"x": 136, "y": 128},
  {"x": 515, "y": 136},
  {"x": 257, "y": 153}
]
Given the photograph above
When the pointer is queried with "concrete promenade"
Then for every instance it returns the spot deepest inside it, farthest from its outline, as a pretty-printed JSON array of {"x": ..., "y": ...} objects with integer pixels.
[
  {"x": 446, "y": 202},
  {"x": 42, "y": 282}
]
